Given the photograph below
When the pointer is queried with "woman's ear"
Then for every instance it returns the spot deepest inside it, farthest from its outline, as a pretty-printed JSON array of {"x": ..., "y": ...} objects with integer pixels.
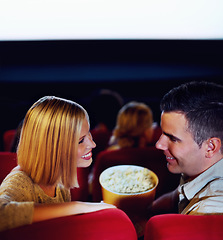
[{"x": 213, "y": 146}]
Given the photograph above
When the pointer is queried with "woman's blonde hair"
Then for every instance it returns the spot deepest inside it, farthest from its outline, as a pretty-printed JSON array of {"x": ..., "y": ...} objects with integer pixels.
[
  {"x": 132, "y": 121},
  {"x": 49, "y": 138}
]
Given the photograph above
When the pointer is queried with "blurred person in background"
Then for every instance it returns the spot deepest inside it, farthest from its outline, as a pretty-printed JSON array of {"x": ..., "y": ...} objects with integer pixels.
[{"x": 134, "y": 126}]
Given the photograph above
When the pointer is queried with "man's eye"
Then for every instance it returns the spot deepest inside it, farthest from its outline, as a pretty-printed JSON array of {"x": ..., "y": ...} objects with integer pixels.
[
  {"x": 173, "y": 139},
  {"x": 81, "y": 141}
]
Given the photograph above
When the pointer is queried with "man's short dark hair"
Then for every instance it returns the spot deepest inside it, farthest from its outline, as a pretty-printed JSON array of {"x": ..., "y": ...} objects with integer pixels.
[{"x": 202, "y": 105}]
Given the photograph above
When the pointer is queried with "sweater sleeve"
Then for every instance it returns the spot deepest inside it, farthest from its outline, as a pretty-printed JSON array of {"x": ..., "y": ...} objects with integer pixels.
[
  {"x": 16, "y": 201},
  {"x": 15, "y": 214}
]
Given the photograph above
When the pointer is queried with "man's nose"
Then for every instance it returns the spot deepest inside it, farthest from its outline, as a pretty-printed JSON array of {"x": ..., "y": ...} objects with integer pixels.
[{"x": 162, "y": 143}]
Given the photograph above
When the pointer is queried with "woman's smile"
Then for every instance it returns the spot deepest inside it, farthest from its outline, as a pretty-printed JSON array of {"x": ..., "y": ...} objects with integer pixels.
[{"x": 87, "y": 156}]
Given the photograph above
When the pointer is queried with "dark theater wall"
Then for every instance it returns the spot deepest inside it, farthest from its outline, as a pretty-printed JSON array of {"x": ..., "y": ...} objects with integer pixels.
[{"x": 140, "y": 70}]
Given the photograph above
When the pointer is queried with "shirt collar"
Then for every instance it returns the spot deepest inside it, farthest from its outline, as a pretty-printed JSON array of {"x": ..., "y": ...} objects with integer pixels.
[{"x": 192, "y": 187}]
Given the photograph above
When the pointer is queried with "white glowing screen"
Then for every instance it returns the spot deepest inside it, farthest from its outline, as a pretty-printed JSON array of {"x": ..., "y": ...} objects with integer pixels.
[{"x": 106, "y": 19}]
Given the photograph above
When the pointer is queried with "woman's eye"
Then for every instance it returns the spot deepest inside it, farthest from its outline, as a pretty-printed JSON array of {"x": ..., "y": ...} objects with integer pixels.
[{"x": 81, "y": 141}]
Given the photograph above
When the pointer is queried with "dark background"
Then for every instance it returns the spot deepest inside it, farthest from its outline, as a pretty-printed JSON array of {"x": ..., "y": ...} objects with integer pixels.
[{"x": 142, "y": 70}]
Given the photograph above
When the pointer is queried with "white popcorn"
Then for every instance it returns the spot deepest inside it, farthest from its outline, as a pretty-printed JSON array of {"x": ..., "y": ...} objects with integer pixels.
[{"x": 129, "y": 180}]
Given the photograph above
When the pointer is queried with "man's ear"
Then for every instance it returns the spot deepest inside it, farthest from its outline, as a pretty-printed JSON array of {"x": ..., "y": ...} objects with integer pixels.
[{"x": 213, "y": 146}]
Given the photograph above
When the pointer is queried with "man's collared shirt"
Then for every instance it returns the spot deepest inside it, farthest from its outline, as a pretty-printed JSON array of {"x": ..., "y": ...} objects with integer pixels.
[{"x": 204, "y": 194}]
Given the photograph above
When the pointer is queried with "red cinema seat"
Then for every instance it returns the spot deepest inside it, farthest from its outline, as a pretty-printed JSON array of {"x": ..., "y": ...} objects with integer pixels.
[
  {"x": 184, "y": 227},
  {"x": 109, "y": 224},
  {"x": 81, "y": 193},
  {"x": 8, "y": 138},
  {"x": 8, "y": 161}
]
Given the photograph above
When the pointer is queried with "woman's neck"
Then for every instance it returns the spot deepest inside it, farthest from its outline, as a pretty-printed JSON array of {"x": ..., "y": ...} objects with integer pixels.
[{"x": 49, "y": 190}]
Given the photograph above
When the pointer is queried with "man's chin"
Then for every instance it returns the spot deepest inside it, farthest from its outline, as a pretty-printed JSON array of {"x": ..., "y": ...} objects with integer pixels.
[{"x": 173, "y": 169}]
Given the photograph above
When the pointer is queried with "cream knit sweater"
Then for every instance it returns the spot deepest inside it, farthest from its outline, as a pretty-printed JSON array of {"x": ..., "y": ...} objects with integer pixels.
[{"x": 18, "y": 194}]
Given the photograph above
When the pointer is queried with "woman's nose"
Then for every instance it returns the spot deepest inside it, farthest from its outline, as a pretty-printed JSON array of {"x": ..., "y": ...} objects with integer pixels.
[{"x": 91, "y": 141}]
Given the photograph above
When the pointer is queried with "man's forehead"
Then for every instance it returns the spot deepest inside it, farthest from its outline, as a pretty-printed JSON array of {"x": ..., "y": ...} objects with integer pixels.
[{"x": 173, "y": 120}]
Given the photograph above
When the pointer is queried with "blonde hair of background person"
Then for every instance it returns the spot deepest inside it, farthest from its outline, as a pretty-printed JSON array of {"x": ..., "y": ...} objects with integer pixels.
[
  {"x": 134, "y": 126},
  {"x": 55, "y": 140}
]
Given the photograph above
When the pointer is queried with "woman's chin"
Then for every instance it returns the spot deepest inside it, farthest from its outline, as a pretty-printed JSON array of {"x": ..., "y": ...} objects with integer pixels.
[{"x": 84, "y": 163}]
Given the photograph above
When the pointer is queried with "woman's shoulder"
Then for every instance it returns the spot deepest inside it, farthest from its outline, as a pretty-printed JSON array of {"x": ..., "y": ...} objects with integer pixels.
[
  {"x": 17, "y": 179},
  {"x": 17, "y": 186},
  {"x": 18, "y": 175}
]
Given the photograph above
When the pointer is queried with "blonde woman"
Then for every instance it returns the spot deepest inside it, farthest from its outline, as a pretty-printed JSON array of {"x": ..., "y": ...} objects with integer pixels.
[
  {"x": 55, "y": 140},
  {"x": 134, "y": 126}
]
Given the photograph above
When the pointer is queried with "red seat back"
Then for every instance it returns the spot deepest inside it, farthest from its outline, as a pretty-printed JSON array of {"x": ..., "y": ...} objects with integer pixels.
[
  {"x": 8, "y": 161},
  {"x": 110, "y": 224},
  {"x": 8, "y": 139},
  {"x": 81, "y": 193},
  {"x": 184, "y": 227}
]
